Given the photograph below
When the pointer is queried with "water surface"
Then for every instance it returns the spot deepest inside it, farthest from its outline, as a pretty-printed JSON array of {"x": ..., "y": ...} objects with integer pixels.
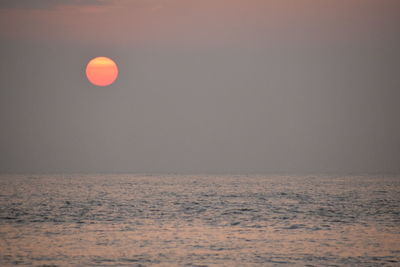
[{"x": 202, "y": 220}]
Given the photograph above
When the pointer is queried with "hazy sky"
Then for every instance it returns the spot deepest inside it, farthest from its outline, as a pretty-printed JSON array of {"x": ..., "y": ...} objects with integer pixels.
[{"x": 204, "y": 86}]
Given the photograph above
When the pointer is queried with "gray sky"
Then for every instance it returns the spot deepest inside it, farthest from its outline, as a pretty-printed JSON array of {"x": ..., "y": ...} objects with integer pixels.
[{"x": 204, "y": 86}]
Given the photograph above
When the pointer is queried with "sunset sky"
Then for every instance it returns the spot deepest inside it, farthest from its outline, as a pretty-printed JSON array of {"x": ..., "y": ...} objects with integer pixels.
[{"x": 203, "y": 86}]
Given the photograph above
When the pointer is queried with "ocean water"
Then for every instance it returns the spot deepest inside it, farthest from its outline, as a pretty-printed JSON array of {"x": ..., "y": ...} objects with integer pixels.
[{"x": 199, "y": 220}]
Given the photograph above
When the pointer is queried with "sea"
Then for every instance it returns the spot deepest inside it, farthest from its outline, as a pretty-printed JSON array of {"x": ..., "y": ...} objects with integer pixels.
[{"x": 199, "y": 220}]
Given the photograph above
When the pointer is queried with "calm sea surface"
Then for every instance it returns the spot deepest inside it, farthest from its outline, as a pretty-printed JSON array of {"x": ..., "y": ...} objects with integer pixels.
[{"x": 203, "y": 220}]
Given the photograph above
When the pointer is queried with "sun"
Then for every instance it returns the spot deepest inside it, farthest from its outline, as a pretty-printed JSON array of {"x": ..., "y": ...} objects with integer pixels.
[{"x": 101, "y": 71}]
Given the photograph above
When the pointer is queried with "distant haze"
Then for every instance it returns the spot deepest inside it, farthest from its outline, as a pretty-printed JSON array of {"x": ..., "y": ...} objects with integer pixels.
[{"x": 204, "y": 86}]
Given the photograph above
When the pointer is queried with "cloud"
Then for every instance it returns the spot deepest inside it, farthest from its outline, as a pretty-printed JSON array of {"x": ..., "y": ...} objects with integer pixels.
[{"x": 49, "y": 4}]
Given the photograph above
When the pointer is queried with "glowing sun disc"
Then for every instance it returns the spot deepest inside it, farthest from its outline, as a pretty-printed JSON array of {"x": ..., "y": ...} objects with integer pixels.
[{"x": 101, "y": 71}]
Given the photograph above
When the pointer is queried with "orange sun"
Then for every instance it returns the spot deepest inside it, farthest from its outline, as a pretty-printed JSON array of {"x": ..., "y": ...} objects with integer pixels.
[{"x": 101, "y": 71}]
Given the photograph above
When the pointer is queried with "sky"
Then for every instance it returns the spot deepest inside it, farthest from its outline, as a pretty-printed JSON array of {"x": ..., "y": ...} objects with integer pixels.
[{"x": 204, "y": 86}]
